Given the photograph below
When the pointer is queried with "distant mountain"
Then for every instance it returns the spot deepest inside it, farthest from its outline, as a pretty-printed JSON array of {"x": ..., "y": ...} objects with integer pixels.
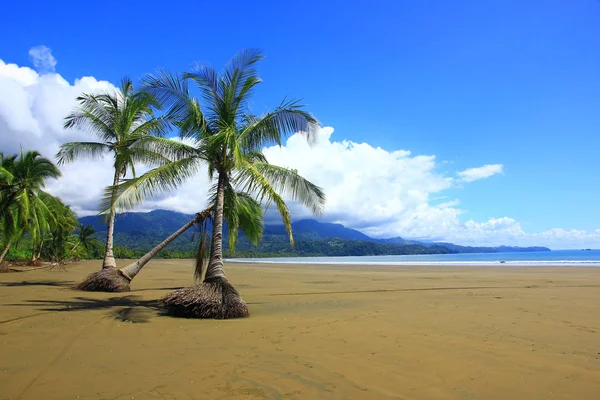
[
  {"x": 499, "y": 249},
  {"x": 142, "y": 231},
  {"x": 157, "y": 221},
  {"x": 311, "y": 228}
]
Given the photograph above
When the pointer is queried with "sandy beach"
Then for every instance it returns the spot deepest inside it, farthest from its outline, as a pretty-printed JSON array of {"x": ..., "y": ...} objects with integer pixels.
[{"x": 316, "y": 332}]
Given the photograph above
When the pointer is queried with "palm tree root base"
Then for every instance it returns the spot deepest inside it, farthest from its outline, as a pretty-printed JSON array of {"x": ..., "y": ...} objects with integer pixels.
[
  {"x": 215, "y": 298},
  {"x": 107, "y": 280}
]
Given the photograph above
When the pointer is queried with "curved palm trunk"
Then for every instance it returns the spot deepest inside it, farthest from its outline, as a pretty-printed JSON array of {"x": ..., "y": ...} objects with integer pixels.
[
  {"x": 109, "y": 258},
  {"x": 74, "y": 247},
  {"x": 3, "y": 254},
  {"x": 215, "y": 266},
  {"x": 117, "y": 280},
  {"x": 32, "y": 253},
  {"x": 132, "y": 270},
  {"x": 39, "y": 254}
]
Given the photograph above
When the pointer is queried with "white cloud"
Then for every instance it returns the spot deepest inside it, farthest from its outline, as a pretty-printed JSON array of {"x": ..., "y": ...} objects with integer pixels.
[
  {"x": 382, "y": 193},
  {"x": 42, "y": 58},
  {"x": 32, "y": 111},
  {"x": 393, "y": 193},
  {"x": 474, "y": 174},
  {"x": 366, "y": 187}
]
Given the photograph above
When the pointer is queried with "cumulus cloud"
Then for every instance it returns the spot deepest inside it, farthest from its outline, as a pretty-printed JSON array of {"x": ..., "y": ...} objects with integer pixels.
[
  {"x": 366, "y": 186},
  {"x": 380, "y": 192},
  {"x": 32, "y": 111},
  {"x": 474, "y": 174},
  {"x": 42, "y": 58}
]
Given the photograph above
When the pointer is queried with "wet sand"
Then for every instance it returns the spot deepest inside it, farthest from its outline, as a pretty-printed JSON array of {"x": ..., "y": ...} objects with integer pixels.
[{"x": 316, "y": 332}]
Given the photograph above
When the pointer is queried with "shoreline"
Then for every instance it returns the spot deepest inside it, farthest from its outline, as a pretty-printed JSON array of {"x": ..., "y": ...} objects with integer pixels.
[{"x": 542, "y": 263}]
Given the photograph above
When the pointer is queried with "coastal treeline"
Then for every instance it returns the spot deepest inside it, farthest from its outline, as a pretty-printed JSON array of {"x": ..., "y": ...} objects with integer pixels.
[{"x": 34, "y": 225}]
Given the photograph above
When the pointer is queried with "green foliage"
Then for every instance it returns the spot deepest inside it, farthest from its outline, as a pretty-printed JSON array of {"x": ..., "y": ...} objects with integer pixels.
[
  {"x": 25, "y": 209},
  {"x": 228, "y": 138},
  {"x": 123, "y": 122},
  {"x": 35, "y": 224},
  {"x": 18, "y": 253}
]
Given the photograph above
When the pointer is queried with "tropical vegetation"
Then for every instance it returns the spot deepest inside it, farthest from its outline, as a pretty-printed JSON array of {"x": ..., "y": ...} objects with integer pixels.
[
  {"x": 124, "y": 124},
  {"x": 30, "y": 215},
  {"x": 227, "y": 138},
  {"x": 217, "y": 131}
]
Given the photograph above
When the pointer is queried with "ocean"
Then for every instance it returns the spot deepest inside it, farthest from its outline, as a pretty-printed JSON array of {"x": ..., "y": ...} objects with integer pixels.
[{"x": 579, "y": 257}]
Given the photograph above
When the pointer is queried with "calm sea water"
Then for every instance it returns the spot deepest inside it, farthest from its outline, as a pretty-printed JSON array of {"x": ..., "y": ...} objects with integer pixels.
[{"x": 556, "y": 257}]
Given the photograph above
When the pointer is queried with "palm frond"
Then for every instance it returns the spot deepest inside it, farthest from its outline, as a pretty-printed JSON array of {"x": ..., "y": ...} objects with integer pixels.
[
  {"x": 290, "y": 184},
  {"x": 287, "y": 119},
  {"x": 155, "y": 126},
  {"x": 168, "y": 148},
  {"x": 251, "y": 180},
  {"x": 94, "y": 116},
  {"x": 207, "y": 79},
  {"x": 163, "y": 179},
  {"x": 72, "y": 151},
  {"x": 170, "y": 89}
]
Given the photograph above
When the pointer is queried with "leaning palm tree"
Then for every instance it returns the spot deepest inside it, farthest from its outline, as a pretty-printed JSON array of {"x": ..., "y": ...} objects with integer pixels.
[
  {"x": 228, "y": 139},
  {"x": 118, "y": 280},
  {"x": 124, "y": 122},
  {"x": 240, "y": 206}
]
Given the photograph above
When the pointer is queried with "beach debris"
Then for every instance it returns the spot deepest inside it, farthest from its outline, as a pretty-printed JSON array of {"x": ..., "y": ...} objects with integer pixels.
[
  {"x": 215, "y": 298},
  {"x": 109, "y": 280}
]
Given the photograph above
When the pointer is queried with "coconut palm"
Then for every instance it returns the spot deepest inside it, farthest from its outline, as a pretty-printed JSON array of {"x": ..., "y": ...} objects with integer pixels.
[
  {"x": 124, "y": 122},
  {"x": 118, "y": 280},
  {"x": 228, "y": 139},
  {"x": 64, "y": 222},
  {"x": 7, "y": 222},
  {"x": 247, "y": 211},
  {"x": 24, "y": 206},
  {"x": 85, "y": 238}
]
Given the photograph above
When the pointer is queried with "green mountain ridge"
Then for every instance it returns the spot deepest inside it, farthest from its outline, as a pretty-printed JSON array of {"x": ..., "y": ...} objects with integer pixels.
[{"x": 142, "y": 231}]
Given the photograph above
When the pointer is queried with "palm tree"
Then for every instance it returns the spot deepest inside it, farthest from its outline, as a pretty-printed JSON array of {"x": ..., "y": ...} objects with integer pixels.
[
  {"x": 63, "y": 224},
  {"x": 118, "y": 280},
  {"x": 24, "y": 206},
  {"x": 124, "y": 123},
  {"x": 8, "y": 226},
  {"x": 228, "y": 138},
  {"x": 248, "y": 212},
  {"x": 85, "y": 238}
]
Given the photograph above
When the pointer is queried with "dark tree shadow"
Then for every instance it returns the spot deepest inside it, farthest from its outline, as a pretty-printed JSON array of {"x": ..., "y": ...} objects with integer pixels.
[
  {"x": 126, "y": 309},
  {"x": 159, "y": 288},
  {"x": 122, "y": 308},
  {"x": 66, "y": 284}
]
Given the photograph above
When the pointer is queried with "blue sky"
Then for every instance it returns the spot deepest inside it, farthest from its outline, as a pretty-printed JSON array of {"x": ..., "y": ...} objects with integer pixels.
[{"x": 515, "y": 83}]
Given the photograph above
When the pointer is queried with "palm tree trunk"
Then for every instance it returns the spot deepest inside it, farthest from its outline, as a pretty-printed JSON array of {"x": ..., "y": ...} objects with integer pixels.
[
  {"x": 33, "y": 252},
  {"x": 132, "y": 270},
  {"x": 74, "y": 247},
  {"x": 109, "y": 258},
  {"x": 215, "y": 266},
  {"x": 39, "y": 254},
  {"x": 3, "y": 254}
]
